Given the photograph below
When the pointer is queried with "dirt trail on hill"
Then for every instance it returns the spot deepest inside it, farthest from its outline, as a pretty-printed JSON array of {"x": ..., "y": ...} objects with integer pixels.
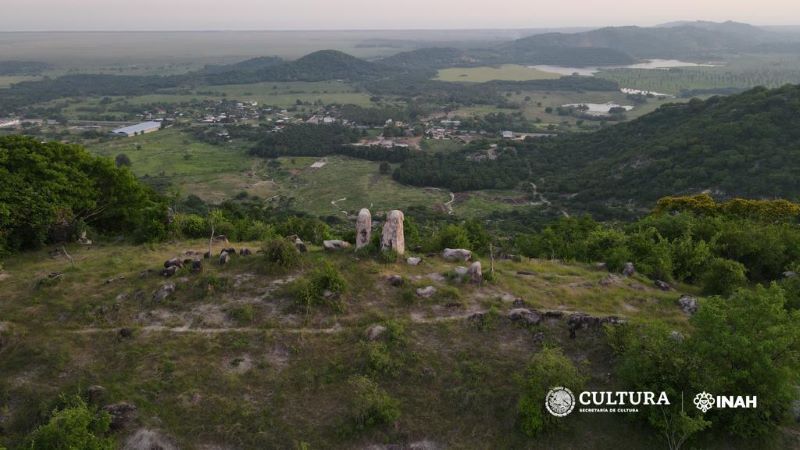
[{"x": 413, "y": 317}]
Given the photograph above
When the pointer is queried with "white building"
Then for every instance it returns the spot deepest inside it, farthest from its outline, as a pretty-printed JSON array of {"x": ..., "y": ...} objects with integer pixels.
[{"x": 139, "y": 128}]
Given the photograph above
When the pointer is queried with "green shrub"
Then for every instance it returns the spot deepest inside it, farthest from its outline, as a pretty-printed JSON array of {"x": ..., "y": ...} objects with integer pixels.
[
  {"x": 548, "y": 368},
  {"x": 280, "y": 254},
  {"x": 321, "y": 287},
  {"x": 453, "y": 236},
  {"x": 242, "y": 314},
  {"x": 370, "y": 405},
  {"x": 192, "y": 226},
  {"x": 723, "y": 276},
  {"x": 74, "y": 426}
]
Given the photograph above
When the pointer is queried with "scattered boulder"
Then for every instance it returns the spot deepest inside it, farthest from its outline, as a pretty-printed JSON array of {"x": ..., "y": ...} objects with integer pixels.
[
  {"x": 663, "y": 285},
  {"x": 393, "y": 237},
  {"x": 300, "y": 245},
  {"x": 413, "y": 261},
  {"x": 609, "y": 280},
  {"x": 375, "y": 332},
  {"x": 584, "y": 321},
  {"x": 363, "y": 228},
  {"x": 122, "y": 414},
  {"x": 334, "y": 245},
  {"x": 166, "y": 290},
  {"x": 395, "y": 280},
  {"x": 174, "y": 262},
  {"x": 245, "y": 252},
  {"x": 601, "y": 266},
  {"x": 789, "y": 274},
  {"x": 524, "y": 315},
  {"x": 95, "y": 393},
  {"x": 628, "y": 269},
  {"x": 84, "y": 240},
  {"x": 688, "y": 304},
  {"x": 169, "y": 271},
  {"x": 126, "y": 333},
  {"x": 426, "y": 292},
  {"x": 456, "y": 254},
  {"x": 113, "y": 279},
  {"x": 230, "y": 251},
  {"x": 196, "y": 266},
  {"x": 676, "y": 336},
  {"x": 224, "y": 258},
  {"x": 475, "y": 273},
  {"x": 146, "y": 439},
  {"x": 221, "y": 238},
  {"x": 461, "y": 271}
]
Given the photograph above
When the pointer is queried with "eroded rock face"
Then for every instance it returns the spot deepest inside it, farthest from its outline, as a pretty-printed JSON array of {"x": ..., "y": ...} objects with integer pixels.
[
  {"x": 456, "y": 254},
  {"x": 224, "y": 258},
  {"x": 688, "y": 304},
  {"x": 363, "y": 228},
  {"x": 393, "y": 237},
  {"x": 525, "y": 315},
  {"x": 413, "y": 261},
  {"x": 122, "y": 414}
]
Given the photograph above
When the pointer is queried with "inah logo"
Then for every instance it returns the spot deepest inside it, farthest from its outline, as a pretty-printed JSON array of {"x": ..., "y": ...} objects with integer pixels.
[
  {"x": 704, "y": 401},
  {"x": 559, "y": 401}
]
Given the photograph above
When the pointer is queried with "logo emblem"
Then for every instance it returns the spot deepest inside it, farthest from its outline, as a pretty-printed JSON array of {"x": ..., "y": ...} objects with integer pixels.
[
  {"x": 559, "y": 401},
  {"x": 704, "y": 401}
]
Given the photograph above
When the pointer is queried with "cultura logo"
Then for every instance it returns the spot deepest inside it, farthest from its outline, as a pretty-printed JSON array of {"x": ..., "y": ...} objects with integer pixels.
[
  {"x": 705, "y": 401},
  {"x": 559, "y": 401}
]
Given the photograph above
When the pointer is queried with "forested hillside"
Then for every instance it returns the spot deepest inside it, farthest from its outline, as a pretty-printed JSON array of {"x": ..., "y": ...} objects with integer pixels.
[{"x": 742, "y": 145}]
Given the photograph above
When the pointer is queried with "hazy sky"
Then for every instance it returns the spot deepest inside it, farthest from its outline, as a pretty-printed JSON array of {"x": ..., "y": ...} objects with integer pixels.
[{"x": 377, "y": 14}]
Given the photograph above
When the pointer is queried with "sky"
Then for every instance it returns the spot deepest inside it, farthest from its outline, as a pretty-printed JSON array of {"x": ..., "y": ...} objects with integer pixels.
[{"x": 30, "y": 15}]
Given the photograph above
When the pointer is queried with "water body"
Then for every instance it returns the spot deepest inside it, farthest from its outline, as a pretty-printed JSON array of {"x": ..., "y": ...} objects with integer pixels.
[{"x": 653, "y": 64}]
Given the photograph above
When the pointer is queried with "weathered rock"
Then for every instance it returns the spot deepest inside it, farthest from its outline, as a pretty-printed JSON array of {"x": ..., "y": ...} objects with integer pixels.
[
  {"x": 583, "y": 321},
  {"x": 196, "y": 266},
  {"x": 122, "y": 414},
  {"x": 230, "y": 251},
  {"x": 526, "y": 316},
  {"x": 333, "y": 245},
  {"x": 245, "y": 252},
  {"x": 169, "y": 271},
  {"x": 456, "y": 254},
  {"x": 147, "y": 439},
  {"x": 676, "y": 336},
  {"x": 663, "y": 285},
  {"x": 166, "y": 290},
  {"x": 375, "y": 332},
  {"x": 628, "y": 269},
  {"x": 413, "y": 261},
  {"x": 601, "y": 266},
  {"x": 84, "y": 240},
  {"x": 300, "y": 245},
  {"x": 221, "y": 239},
  {"x": 688, "y": 304},
  {"x": 426, "y": 292},
  {"x": 224, "y": 258},
  {"x": 609, "y": 280},
  {"x": 475, "y": 273},
  {"x": 113, "y": 279},
  {"x": 395, "y": 280},
  {"x": 126, "y": 333},
  {"x": 174, "y": 262},
  {"x": 789, "y": 274},
  {"x": 363, "y": 228},
  {"x": 461, "y": 271},
  {"x": 95, "y": 393},
  {"x": 393, "y": 237}
]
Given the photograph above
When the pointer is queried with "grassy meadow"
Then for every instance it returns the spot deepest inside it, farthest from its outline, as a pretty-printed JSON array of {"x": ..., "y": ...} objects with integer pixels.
[{"x": 505, "y": 72}]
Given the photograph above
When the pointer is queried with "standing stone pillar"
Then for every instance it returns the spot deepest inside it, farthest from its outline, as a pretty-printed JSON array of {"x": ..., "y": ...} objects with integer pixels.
[
  {"x": 392, "y": 237},
  {"x": 363, "y": 228}
]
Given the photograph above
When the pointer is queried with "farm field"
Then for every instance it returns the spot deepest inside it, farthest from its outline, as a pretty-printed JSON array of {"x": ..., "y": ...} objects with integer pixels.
[
  {"x": 506, "y": 72},
  {"x": 8, "y": 80}
]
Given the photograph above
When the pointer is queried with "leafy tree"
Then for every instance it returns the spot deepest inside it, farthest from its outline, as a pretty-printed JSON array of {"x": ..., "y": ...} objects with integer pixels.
[
  {"x": 723, "y": 276},
  {"x": 75, "y": 426},
  {"x": 385, "y": 168},
  {"x": 748, "y": 345},
  {"x": 122, "y": 160}
]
